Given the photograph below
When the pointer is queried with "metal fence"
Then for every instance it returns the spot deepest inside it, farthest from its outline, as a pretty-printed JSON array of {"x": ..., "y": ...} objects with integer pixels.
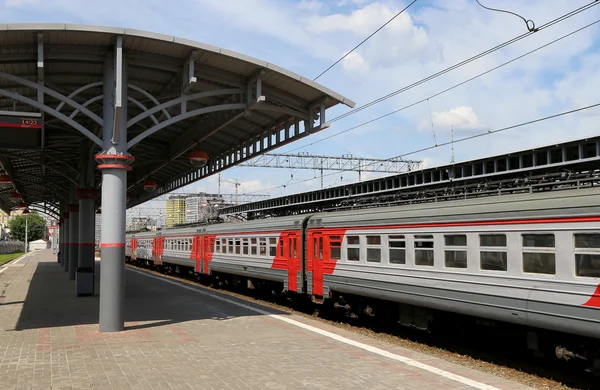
[{"x": 11, "y": 247}]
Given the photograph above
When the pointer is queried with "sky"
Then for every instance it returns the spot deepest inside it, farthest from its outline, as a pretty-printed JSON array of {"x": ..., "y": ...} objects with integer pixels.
[{"x": 307, "y": 36}]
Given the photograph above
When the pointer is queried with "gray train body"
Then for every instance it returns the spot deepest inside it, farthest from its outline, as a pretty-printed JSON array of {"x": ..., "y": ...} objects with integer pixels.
[{"x": 529, "y": 259}]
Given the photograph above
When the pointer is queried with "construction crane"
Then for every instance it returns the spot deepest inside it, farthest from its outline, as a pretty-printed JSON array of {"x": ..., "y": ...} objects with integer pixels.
[
  {"x": 332, "y": 163},
  {"x": 235, "y": 183}
]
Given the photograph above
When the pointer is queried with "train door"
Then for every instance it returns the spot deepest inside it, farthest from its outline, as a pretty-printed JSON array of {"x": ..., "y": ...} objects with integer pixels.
[
  {"x": 197, "y": 253},
  {"x": 292, "y": 262},
  {"x": 207, "y": 251},
  {"x": 317, "y": 263},
  {"x": 303, "y": 254}
]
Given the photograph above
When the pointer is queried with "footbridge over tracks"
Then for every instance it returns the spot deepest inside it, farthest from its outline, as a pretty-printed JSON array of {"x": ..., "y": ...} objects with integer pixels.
[{"x": 100, "y": 118}]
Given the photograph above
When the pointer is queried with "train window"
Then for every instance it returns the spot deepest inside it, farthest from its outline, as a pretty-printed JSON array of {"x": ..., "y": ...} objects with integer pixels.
[
  {"x": 321, "y": 248},
  {"x": 245, "y": 246},
  {"x": 335, "y": 247},
  {"x": 218, "y": 246},
  {"x": 456, "y": 240},
  {"x": 397, "y": 249},
  {"x": 223, "y": 245},
  {"x": 374, "y": 249},
  {"x": 353, "y": 248},
  {"x": 587, "y": 255},
  {"x": 272, "y": 246},
  {"x": 230, "y": 249},
  {"x": 455, "y": 255},
  {"x": 262, "y": 246},
  {"x": 353, "y": 240},
  {"x": 238, "y": 246},
  {"x": 280, "y": 248},
  {"x": 538, "y": 240},
  {"x": 424, "y": 250},
  {"x": 492, "y": 240},
  {"x": 373, "y": 240},
  {"x": 538, "y": 254},
  {"x": 295, "y": 246},
  {"x": 539, "y": 263},
  {"x": 253, "y": 246},
  {"x": 493, "y": 261}
]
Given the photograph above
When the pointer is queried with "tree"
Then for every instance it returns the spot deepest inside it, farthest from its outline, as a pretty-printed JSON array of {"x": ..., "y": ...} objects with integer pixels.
[{"x": 36, "y": 226}]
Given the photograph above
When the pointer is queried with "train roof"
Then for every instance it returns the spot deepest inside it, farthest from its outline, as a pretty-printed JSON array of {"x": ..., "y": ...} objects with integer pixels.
[
  {"x": 551, "y": 203},
  {"x": 269, "y": 224}
]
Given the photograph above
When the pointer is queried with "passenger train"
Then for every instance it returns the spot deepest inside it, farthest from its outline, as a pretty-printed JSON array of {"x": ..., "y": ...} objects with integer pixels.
[{"x": 527, "y": 259}]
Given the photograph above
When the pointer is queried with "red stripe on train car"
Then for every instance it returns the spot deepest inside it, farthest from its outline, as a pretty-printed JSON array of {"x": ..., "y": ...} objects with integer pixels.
[
  {"x": 472, "y": 223},
  {"x": 287, "y": 256},
  {"x": 594, "y": 301}
]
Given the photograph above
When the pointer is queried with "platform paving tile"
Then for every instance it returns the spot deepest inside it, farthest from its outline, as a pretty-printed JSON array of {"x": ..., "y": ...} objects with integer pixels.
[{"x": 176, "y": 338}]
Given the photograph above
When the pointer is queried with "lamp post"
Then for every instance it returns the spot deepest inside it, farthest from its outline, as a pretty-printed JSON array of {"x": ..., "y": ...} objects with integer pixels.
[{"x": 26, "y": 219}]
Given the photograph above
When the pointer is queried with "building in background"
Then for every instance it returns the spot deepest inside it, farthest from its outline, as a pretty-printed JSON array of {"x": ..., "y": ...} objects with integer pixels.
[
  {"x": 175, "y": 211},
  {"x": 3, "y": 225},
  {"x": 202, "y": 207}
]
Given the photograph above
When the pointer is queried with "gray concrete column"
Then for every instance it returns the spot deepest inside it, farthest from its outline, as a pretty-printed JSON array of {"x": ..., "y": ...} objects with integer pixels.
[
  {"x": 65, "y": 256},
  {"x": 85, "y": 260},
  {"x": 60, "y": 240},
  {"x": 73, "y": 239},
  {"x": 114, "y": 163}
]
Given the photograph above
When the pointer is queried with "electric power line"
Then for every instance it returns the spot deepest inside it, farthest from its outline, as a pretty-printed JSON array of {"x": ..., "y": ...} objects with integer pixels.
[
  {"x": 364, "y": 40},
  {"x": 445, "y": 90},
  {"x": 465, "y": 62}
]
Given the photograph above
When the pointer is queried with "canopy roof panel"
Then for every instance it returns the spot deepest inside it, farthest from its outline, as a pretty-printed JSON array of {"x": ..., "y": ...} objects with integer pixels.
[{"x": 245, "y": 102}]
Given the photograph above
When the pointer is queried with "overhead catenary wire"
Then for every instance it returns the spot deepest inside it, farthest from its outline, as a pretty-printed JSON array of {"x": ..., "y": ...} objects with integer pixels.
[
  {"x": 447, "y": 89},
  {"x": 465, "y": 62},
  {"x": 483, "y": 134},
  {"x": 529, "y": 23},
  {"x": 364, "y": 40}
]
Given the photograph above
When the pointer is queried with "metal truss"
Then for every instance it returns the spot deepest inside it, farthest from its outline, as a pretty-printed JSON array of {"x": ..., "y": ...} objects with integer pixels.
[
  {"x": 332, "y": 163},
  {"x": 544, "y": 165}
]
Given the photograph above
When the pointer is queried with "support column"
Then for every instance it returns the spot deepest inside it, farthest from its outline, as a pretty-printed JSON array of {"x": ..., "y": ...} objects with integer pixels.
[
  {"x": 87, "y": 227},
  {"x": 114, "y": 163},
  {"x": 73, "y": 239},
  {"x": 65, "y": 256},
  {"x": 60, "y": 240}
]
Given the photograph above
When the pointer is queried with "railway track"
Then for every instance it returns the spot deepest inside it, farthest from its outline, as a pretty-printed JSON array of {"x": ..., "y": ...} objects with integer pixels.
[{"x": 496, "y": 351}]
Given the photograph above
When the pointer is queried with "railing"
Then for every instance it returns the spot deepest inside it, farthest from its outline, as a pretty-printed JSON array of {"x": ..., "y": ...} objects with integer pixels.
[{"x": 11, "y": 247}]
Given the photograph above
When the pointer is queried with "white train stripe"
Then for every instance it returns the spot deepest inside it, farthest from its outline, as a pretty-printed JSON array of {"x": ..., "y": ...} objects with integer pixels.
[{"x": 403, "y": 359}]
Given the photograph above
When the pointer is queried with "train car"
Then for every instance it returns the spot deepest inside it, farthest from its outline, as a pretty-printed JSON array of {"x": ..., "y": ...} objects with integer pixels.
[
  {"x": 529, "y": 259},
  {"x": 262, "y": 250}
]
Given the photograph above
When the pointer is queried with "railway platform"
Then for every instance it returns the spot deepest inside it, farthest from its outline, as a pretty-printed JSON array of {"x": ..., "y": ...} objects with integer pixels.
[{"x": 180, "y": 336}]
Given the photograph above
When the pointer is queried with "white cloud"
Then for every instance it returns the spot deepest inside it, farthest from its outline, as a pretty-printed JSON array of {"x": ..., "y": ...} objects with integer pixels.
[
  {"x": 461, "y": 117},
  {"x": 355, "y": 63}
]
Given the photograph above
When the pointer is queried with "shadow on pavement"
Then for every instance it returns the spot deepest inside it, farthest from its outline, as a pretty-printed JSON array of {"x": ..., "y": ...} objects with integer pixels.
[{"x": 52, "y": 302}]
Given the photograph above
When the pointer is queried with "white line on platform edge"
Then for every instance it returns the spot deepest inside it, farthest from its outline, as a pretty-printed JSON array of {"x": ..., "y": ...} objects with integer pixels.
[
  {"x": 342, "y": 339},
  {"x": 4, "y": 268}
]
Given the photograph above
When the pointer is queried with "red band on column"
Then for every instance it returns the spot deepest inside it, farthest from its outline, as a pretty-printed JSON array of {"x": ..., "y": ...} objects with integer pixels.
[
  {"x": 114, "y": 166},
  {"x": 112, "y": 244}
]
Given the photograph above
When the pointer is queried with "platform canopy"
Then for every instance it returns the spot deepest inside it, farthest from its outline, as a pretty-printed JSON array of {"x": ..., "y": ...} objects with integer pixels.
[{"x": 182, "y": 97}]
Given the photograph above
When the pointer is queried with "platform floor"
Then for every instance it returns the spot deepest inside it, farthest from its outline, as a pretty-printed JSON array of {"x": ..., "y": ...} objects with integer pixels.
[{"x": 182, "y": 337}]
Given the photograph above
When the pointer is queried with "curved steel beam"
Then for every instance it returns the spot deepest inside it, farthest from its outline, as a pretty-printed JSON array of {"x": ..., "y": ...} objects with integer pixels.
[
  {"x": 92, "y": 100},
  {"x": 144, "y": 108},
  {"x": 78, "y": 91},
  {"x": 12, "y": 155},
  {"x": 54, "y": 113},
  {"x": 54, "y": 94},
  {"x": 186, "y": 115},
  {"x": 180, "y": 100},
  {"x": 149, "y": 96},
  {"x": 50, "y": 213}
]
